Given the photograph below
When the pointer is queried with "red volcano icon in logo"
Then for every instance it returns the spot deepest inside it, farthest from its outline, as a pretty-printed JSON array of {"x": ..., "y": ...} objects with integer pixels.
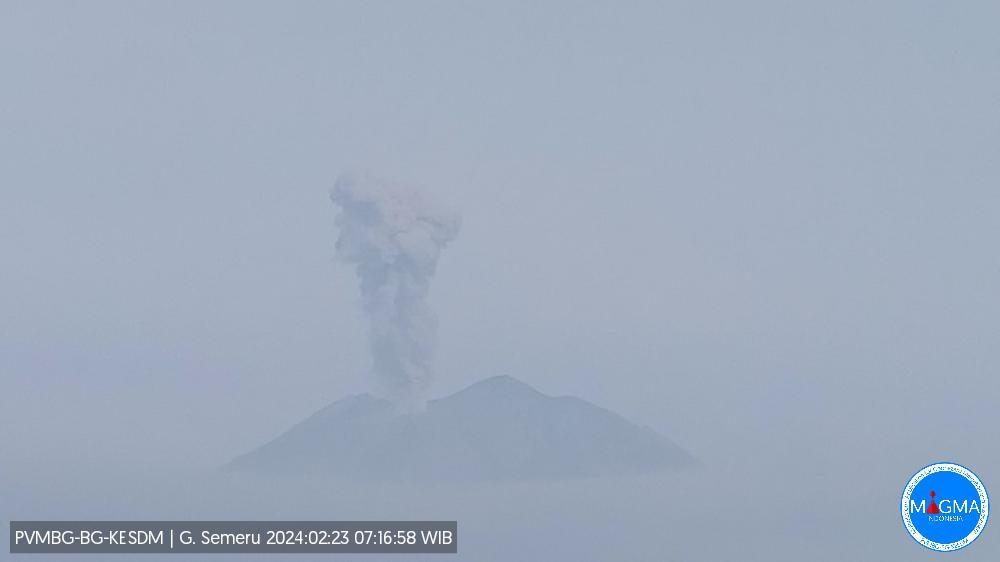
[{"x": 933, "y": 508}]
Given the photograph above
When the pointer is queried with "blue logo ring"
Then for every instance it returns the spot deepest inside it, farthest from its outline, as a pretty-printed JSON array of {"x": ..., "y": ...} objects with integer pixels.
[{"x": 957, "y": 511}]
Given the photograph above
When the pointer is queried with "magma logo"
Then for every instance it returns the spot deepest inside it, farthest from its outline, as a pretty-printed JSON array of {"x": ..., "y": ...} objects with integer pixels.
[
  {"x": 945, "y": 507},
  {"x": 948, "y": 508}
]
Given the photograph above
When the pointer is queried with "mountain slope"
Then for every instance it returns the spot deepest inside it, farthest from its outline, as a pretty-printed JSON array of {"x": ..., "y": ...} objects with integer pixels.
[{"x": 496, "y": 429}]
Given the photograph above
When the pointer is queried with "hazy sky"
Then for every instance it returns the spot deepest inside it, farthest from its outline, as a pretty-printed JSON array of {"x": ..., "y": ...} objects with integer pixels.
[{"x": 761, "y": 228}]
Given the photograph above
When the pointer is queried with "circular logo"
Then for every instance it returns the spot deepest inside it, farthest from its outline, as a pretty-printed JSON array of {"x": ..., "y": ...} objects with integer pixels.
[{"x": 945, "y": 506}]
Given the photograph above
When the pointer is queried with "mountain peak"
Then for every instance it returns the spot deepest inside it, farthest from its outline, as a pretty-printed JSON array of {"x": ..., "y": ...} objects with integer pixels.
[{"x": 503, "y": 383}]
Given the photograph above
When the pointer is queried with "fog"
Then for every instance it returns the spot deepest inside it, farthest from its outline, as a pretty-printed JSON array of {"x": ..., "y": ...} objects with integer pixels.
[{"x": 767, "y": 231}]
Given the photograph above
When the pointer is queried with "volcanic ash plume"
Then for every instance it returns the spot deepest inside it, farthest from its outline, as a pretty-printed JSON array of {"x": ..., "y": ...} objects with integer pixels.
[{"x": 394, "y": 237}]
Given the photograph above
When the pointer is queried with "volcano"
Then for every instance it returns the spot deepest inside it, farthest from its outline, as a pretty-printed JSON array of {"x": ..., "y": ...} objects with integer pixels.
[{"x": 496, "y": 429}]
